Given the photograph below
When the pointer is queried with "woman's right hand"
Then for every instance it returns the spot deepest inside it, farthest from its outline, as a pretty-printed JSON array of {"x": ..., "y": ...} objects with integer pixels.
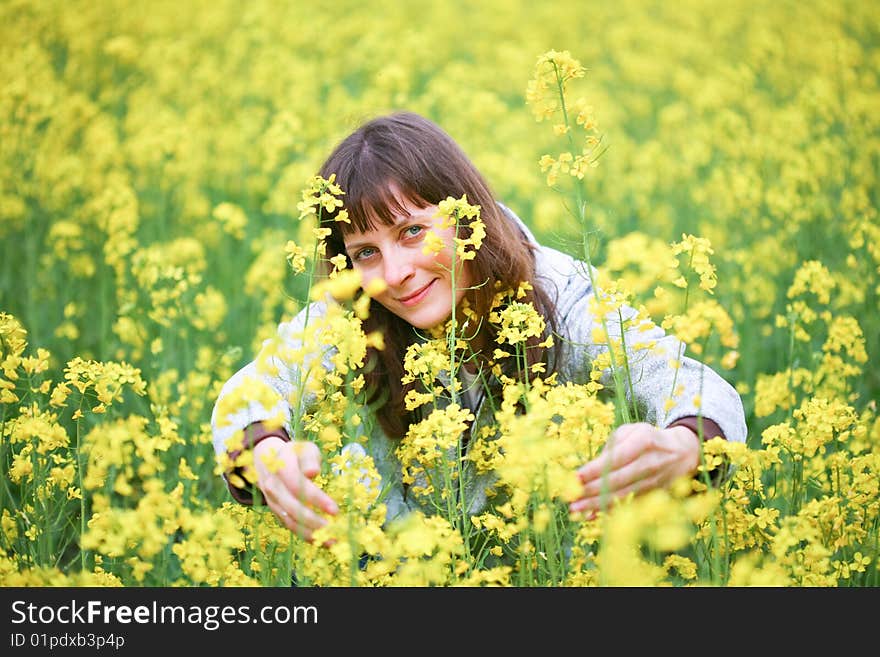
[{"x": 289, "y": 491}]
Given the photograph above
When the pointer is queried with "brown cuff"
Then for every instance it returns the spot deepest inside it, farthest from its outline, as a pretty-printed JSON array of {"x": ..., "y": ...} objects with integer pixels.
[
  {"x": 253, "y": 434},
  {"x": 692, "y": 422},
  {"x": 710, "y": 430}
]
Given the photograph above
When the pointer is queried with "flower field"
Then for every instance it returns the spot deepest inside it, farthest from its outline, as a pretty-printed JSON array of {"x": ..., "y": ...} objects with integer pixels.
[{"x": 717, "y": 162}]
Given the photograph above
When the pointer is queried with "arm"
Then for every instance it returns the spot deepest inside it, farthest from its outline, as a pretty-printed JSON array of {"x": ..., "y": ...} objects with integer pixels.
[
  {"x": 700, "y": 392},
  {"x": 253, "y": 435},
  {"x": 251, "y": 427},
  {"x": 638, "y": 457},
  {"x": 266, "y": 389},
  {"x": 662, "y": 444}
]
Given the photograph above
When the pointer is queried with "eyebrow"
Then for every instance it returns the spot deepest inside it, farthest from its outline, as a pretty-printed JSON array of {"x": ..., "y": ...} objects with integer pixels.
[{"x": 353, "y": 246}]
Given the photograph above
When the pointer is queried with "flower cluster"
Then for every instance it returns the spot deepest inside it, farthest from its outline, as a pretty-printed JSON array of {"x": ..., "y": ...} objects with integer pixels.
[
  {"x": 149, "y": 231},
  {"x": 547, "y": 95}
]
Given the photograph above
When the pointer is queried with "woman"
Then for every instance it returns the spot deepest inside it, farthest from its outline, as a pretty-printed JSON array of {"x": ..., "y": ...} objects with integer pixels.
[{"x": 395, "y": 170}]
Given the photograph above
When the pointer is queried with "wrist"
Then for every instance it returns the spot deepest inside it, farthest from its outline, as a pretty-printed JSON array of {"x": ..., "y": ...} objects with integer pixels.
[
  {"x": 268, "y": 442},
  {"x": 240, "y": 476},
  {"x": 690, "y": 445},
  {"x": 257, "y": 432}
]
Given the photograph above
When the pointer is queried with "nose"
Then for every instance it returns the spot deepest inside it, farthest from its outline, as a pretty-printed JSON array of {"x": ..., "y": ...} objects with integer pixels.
[{"x": 398, "y": 269}]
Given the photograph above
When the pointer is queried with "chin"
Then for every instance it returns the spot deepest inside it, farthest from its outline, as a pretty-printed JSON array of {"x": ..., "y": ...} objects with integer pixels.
[{"x": 425, "y": 323}]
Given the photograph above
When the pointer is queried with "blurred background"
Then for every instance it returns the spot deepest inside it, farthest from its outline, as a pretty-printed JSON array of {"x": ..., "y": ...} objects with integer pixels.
[{"x": 152, "y": 155}]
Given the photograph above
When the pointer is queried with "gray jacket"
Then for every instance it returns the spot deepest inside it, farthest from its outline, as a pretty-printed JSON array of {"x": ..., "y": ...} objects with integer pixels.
[{"x": 567, "y": 282}]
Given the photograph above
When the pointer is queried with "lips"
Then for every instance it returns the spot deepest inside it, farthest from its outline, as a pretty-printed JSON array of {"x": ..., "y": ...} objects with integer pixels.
[{"x": 416, "y": 296}]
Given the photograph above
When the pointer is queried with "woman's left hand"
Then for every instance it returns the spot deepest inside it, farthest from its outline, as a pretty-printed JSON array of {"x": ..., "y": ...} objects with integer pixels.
[{"x": 637, "y": 458}]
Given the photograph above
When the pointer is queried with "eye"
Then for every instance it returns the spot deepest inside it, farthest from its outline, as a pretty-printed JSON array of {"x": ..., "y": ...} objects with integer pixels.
[
  {"x": 363, "y": 254},
  {"x": 413, "y": 231}
]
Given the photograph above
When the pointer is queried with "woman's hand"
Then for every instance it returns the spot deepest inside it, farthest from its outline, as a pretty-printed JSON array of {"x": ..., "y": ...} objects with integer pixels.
[
  {"x": 287, "y": 485},
  {"x": 637, "y": 458}
]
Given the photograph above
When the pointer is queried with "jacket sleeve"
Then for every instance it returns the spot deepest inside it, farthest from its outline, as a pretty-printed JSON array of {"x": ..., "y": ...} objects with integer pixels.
[
  {"x": 663, "y": 393},
  {"x": 268, "y": 392},
  {"x": 235, "y": 474}
]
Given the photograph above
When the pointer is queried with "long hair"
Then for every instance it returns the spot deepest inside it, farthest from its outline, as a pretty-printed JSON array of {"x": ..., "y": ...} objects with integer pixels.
[{"x": 405, "y": 155}]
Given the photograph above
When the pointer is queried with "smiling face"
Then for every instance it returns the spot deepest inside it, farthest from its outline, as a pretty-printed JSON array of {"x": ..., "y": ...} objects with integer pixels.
[{"x": 419, "y": 285}]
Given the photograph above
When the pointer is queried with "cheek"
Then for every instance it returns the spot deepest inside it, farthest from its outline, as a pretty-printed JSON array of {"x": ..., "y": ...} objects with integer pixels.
[
  {"x": 368, "y": 275},
  {"x": 441, "y": 262}
]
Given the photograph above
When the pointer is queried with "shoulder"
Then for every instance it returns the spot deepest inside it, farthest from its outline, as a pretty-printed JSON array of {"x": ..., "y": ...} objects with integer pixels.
[
  {"x": 565, "y": 278},
  {"x": 294, "y": 326}
]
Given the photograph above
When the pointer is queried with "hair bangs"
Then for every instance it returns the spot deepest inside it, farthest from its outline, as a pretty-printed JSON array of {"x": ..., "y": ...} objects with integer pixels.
[{"x": 377, "y": 197}]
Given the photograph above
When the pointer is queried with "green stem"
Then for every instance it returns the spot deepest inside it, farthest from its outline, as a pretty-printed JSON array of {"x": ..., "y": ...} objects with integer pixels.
[
  {"x": 462, "y": 502},
  {"x": 628, "y": 375},
  {"x": 83, "y": 554},
  {"x": 622, "y": 410},
  {"x": 681, "y": 346}
]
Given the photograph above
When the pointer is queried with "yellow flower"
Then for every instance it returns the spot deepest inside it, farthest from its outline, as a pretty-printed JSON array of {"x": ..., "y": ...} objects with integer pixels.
[
  {"x": 812, "y": 276},
  {"x": 320, "y": 193},
  {"x": 342, "y": 287},
  {"x": 296, "y": 256},
  {"x": 434, "y": 244},
  {"x": 518, "y": 322},
  {"x": 375, "y": 287},
  {"x": 232, "y": 218},
  {"x": 698, "y": 250},
  {"x": 271, "y": 460},
  {"x": 339, "y": 263}
]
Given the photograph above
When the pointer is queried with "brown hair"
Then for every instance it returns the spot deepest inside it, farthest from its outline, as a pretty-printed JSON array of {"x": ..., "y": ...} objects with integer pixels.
[{"x": 425, "y": 165}]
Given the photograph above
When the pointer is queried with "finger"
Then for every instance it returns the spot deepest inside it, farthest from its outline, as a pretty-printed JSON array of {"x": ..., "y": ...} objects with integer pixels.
[
  {"x": 617, "y": 479},
  {"x": 642, "y": 472},
  {"x": 304, "y": 531},
  {"x": 309, "y": 455},
  {"x": 303, "y": 489},
  {"x": 595, "y": 503},
  {"x": 588, "y": 507},
  {"x": 587, "y": 516},
  {"x": 286, "y": 504},
  {"x": 296, "y": 477},
  {"x": 622, "y": 447},
  {"x": 284, "y": 517},
  {"x": 295, "y": 515}
]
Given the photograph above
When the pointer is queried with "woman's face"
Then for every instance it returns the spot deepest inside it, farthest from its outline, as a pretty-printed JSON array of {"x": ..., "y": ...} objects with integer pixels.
[{"x": 419, "y": 285}]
